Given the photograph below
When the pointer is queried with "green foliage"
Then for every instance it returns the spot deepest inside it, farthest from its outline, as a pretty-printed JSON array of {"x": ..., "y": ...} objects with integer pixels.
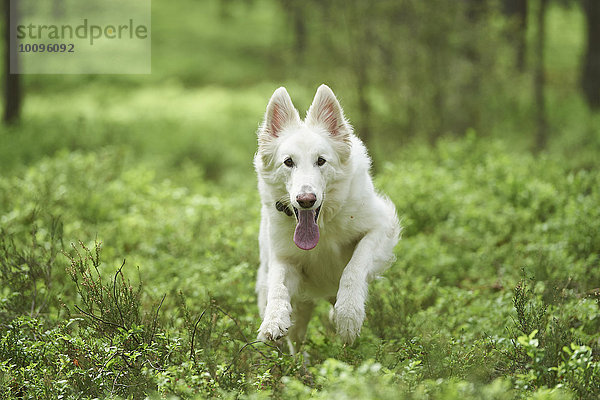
[
  {"x": 26, "y": 270},
  {"x": 580, "y": 371},
  {"x": 548, "y": 356},
  {"x": 445, "y": 321},
  {"x": 576, "y": 370}
]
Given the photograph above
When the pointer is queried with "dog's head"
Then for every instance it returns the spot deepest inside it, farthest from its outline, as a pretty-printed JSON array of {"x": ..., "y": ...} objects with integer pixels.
[{"x": 304, "y": 157}]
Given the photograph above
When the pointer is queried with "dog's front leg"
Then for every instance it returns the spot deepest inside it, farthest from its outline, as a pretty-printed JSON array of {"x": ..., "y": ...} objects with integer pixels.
[
  {"x": 282, "y": 283},
  {"x": 349, "y": 309}
]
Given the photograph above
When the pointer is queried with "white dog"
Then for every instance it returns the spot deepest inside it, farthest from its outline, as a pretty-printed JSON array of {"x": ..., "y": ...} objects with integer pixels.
[{"x": 324, "y": 231}]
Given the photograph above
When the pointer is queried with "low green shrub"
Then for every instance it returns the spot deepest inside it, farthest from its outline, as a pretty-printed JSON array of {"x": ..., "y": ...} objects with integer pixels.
[{"x": 453, "y": 317}]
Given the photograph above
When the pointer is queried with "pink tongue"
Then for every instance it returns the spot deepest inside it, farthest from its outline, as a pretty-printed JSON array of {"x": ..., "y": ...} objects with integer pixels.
[{"x": 306, "y": 235}]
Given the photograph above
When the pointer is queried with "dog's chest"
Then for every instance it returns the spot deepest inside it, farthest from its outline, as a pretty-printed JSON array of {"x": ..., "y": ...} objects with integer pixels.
[{"x": 321, "y": 268}]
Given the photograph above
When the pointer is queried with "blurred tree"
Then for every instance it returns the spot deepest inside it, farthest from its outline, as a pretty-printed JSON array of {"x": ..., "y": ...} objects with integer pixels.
[
  {"x": 516, "y": 10},
  {"x": 541, "y": 137},
  {"x": 414, "y": 68},
  {"x": 361, "y": 44},
  {"x": 58, "y": 8},
  {"x": 295, "y": 11},
  {"x": 590, "y": 80},
  {"x": 12, "y": 82}
]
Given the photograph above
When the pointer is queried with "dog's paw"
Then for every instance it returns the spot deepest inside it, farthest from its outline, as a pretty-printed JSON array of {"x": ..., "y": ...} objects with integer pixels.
[
  {"x": 273, "y": 329},
  {"x": 348, "y": 319}
]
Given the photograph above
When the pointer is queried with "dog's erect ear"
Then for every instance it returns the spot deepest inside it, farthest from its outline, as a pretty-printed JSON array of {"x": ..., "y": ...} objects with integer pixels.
[
  {"x": 326, "y": 111},
  {"x": 280, "y": 112}
]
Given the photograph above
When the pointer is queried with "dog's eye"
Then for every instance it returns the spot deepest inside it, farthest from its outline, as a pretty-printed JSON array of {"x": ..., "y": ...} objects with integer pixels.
[
  {"x": 321, "y": 161},
  {"x": 289, "y": 162}
]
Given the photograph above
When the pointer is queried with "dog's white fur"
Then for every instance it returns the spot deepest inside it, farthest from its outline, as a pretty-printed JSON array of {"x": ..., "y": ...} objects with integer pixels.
[{"x": 358, "y": 227}]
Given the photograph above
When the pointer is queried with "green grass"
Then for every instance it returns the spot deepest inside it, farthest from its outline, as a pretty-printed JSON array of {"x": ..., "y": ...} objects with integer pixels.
[
  {"x": 478, "y": 221},
  {"x": 494, "y": 294}
]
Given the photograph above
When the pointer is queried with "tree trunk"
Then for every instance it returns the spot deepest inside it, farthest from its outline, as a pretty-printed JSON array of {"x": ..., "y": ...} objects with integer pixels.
[
  {"x": 590, "y": 80},
  {"x": 299, "y": 30},
  {"x": 12, "y": 83},
  {"x": 361, "y": 42},
  {"x": 517, "y": 11},
  {"x": 541, "y": 137},
  {"x": 295, "y": 11},
  {"x": 364, "y": 108}
]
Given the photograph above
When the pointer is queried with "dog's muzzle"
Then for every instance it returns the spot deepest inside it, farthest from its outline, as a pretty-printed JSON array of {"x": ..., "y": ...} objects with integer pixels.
[
  {"x": 306, "y": 234},
  {"x": 283, "y": 208}
]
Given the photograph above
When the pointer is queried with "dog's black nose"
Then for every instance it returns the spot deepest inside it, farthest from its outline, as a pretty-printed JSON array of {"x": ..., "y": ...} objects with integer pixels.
[{"x": 306, "y": 200}]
